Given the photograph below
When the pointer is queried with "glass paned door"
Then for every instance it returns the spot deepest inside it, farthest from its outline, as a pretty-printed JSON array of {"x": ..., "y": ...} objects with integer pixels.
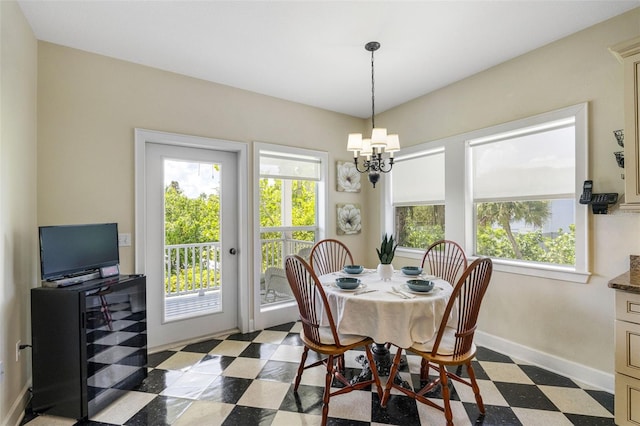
[
  {"x": 192, "y": 268},
  {"x": 193, "y": 265}
]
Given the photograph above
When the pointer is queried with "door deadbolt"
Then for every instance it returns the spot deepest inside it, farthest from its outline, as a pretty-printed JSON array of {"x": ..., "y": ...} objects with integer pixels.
[{"x": 233, "y": 251}]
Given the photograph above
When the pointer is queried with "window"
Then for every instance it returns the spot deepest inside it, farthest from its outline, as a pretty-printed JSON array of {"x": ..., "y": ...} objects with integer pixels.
[
  {"x": 418, "y": 199},
  {"x": 509, "y": 192},
  {"x": 290, "y": 198},
  {"x": 523, "y": 190}
]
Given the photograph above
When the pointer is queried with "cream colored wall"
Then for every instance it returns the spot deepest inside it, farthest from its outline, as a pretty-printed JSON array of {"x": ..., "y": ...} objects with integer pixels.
[
  {"x": 18, "y": 225},
  {"x": 89, "y": 106},
  {"x": 566, "y": 320}
]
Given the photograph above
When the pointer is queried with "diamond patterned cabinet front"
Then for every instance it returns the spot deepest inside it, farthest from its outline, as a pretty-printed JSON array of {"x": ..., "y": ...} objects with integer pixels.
[{"x": 89, "y": 344}]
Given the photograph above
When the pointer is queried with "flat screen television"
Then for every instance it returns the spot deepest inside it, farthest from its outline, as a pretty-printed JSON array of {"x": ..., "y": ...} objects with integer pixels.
[{"x": 70, "y": 250}]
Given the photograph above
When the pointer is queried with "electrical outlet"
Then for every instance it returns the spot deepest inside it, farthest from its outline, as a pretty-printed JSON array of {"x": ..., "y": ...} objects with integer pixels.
[
  {"x": 18, "y": 351},
  {"x": 124, "y": 240}
]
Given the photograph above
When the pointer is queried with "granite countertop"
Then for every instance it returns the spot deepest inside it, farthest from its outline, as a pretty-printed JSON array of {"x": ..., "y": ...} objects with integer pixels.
[{"x": 625, "y": 283}]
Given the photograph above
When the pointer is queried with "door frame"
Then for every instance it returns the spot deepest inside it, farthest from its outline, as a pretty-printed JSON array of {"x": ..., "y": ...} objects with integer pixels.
[{"x": 241, "y": 149}]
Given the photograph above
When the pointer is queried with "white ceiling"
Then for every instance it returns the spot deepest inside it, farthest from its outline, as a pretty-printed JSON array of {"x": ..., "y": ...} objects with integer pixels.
[{"x": 312, "y": 52}]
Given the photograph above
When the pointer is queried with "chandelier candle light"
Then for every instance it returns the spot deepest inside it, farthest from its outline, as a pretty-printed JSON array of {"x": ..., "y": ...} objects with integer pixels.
[{"x": 380, "y": 142}]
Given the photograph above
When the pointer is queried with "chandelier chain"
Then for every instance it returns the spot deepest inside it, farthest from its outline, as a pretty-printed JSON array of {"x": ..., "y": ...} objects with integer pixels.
[{"x": 373, "y": 96}]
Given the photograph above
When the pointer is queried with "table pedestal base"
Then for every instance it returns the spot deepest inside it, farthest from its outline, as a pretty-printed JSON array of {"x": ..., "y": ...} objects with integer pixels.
[{"x": 382, "y": 358}]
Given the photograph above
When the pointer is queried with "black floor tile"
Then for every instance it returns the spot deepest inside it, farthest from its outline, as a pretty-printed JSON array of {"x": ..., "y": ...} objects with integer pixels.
[
  {"x": 292, "y": 339},
  {"x": 282, "y": 327},
  {"x": 226, "y": 389},
  {"x": 246, "y": 337},
  {"x": 400, "y": 410},
  {"x": 202, "y": 347},
  {"x": 494, "y": 416},
  {"x": 279, "y": 371},
  {"x": 158, "y": 358},
  {"x": 540, "y": 376},
  {"x": 604, "y": 398},
  {"x": 244, "y": 416},
  {"x": 259, "y": 350},
  {"x": 214, "y": 364},
  {"x": 161, "y": 411},
  {"x": 525, "y": 396},
  {"x": 484, "y": 354},
  {"x": 580, "y": 420},
  {"x": 307, "y": 400},
  {"x": 158, "y": 380}
]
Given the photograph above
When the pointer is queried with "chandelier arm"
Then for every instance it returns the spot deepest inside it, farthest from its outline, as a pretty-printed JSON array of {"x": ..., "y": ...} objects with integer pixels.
[
  {"x": 388, "y": 169},
  {"x": 366, "y": 167}
]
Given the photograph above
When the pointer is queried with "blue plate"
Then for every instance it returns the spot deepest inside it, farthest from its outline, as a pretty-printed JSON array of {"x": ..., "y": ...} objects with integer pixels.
[
  {"x": 353, "y": 269},
  {"x": 421, "y": 286},
  {"x": 347, "y": 283},
  {"x": 411, "y": 270}
]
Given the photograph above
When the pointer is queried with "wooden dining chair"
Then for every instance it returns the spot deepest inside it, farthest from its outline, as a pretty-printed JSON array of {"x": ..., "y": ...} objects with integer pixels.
[
  {"x": 313, "y": 304},
  {"x": 445, "y": 259},
  {"x": 328, "y": 256},
  {"x": 451, "y": 346}
]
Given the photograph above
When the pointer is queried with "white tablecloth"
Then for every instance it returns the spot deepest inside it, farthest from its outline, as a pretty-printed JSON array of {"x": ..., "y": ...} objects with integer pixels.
[{"x": 387, "y": 317}]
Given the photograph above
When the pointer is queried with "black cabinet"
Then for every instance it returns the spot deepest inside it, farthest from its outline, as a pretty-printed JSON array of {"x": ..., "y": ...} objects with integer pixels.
[{"x": 89, "y": 344}]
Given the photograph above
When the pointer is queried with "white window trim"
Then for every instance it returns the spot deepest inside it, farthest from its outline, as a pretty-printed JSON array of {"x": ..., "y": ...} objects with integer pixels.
[
  {"x": 459, "y": 223},
  {"x": 286, "y": 308}
]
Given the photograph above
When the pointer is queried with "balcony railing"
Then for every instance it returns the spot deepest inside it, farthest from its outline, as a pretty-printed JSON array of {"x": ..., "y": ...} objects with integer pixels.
[
  {"x": 191, "y": 268},
  {"x": 195, "y": 268}
]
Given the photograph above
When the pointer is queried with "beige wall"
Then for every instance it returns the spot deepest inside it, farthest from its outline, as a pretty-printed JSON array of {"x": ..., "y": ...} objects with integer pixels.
[
  {"x": 18, "y": 225},
  {"x": 565, "y": 320},
  {"x": 89, "y": 106}
]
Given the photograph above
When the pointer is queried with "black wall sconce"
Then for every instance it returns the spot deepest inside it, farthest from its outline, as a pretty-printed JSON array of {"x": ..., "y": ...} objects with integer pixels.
[{"x": 619, "y": 134}]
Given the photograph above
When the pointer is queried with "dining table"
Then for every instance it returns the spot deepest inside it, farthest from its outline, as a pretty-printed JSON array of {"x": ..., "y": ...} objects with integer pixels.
[{"x": 387, "y": 311}]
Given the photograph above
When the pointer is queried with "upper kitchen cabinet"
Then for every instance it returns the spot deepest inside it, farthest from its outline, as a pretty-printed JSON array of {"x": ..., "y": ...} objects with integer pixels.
[{"x": 628, "y": 53}]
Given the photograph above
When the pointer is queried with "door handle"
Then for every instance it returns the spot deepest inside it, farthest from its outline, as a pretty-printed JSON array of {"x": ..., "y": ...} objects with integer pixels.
[{"x": 233, "y": 251}]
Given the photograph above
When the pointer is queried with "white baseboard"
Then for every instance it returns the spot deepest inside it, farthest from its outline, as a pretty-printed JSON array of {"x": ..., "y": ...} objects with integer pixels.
[
  {"x": 16, "y": 413},
  {"x": 578, "y": 372}
]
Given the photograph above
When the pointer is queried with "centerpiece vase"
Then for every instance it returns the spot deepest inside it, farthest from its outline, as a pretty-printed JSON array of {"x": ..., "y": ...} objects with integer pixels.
[{"x": 385, "y": 271}]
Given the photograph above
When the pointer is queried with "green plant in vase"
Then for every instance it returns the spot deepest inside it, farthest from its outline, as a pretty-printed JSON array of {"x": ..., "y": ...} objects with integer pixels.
[{"x": 385, "y": 254}]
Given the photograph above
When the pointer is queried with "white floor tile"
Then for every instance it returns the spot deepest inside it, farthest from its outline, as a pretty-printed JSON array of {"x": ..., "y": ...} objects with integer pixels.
[
  {"x": 204, "y": 413},
  {"x": 264, "y": 394},
  {"x": 501, "y": 372},
  {"x": 530, "y": 417},
  {"x": 181, "y": 361},
  {"x": 574, "y": 401},
  {"x": 247, "y": 368},
  {"x": 230, "y": 348},
  {"x": 123, "y": 408}
]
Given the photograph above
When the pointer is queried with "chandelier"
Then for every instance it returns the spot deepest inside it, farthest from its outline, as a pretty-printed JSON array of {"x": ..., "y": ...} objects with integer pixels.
[{"x": 373, "y": 148}]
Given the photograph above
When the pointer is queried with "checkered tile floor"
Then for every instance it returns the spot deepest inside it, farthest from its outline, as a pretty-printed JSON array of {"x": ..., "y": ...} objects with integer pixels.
[{"x": 246, "y": 379}]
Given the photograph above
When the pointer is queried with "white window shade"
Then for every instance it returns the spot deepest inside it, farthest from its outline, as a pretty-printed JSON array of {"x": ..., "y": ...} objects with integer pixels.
[
  {"x": 537, "y": 165},
  {"x": 418, "y": 180},
  {"x": 289, "y": 166}
]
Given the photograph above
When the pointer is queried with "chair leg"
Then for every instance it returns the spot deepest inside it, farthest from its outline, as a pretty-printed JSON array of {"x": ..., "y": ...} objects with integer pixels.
[
  {"x": 341, "y": 366},
  {"x": 445, "y": 395},
  {"x": 392, "y": 374},
  {"x": 305, "y": 352},
  {"x": 374, "y": 371},
  {"x": 327, "y": 390},
  {"x": 424, "y": 371},
  {"x": 476, "y": 389}
]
